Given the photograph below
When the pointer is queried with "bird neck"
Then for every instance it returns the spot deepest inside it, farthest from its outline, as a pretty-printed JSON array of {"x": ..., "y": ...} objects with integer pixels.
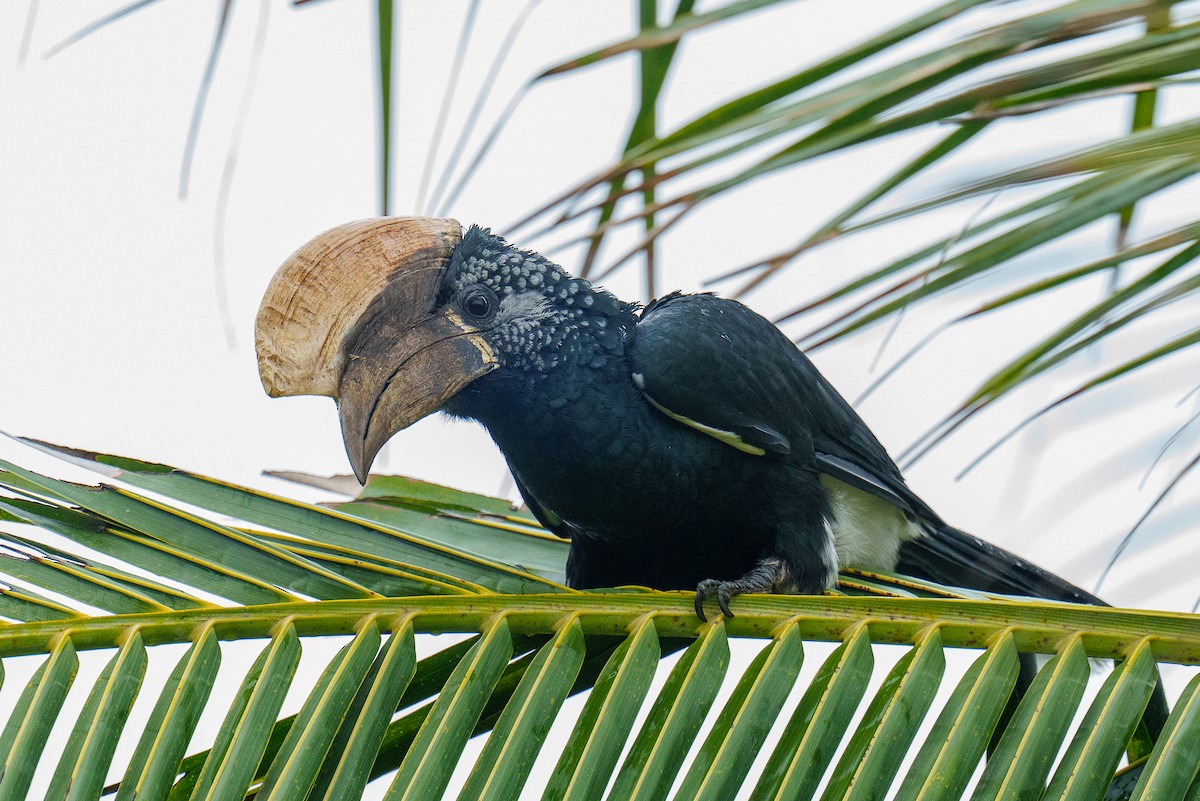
[
  {"x": 557, "y": 428},
  {"x": 519, "y": 402}
]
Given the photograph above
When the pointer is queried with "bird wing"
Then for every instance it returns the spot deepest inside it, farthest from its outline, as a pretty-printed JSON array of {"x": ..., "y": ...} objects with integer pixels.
[
  {"x": 715, "y": 364},
  {"x": 719, "y": 367}
]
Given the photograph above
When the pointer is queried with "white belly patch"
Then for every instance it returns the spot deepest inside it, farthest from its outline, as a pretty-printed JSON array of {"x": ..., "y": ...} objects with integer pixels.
[{"x": 867, "y": 530}]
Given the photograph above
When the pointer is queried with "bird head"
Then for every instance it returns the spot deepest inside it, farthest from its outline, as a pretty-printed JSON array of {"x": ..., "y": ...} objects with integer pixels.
[{"x": 393, "y": 317}]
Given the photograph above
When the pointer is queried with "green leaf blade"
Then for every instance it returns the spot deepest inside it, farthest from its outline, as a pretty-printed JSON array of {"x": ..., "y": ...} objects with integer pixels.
[
  {"x": 24, "y": 738},
  {"x": 595, "y": 743},
  {"x": 243, "y": 736},
  {"x": 357, "y": 743},
  {"x": 810, "y": 740},
  {"x": 508, "y": 756},
  {"x": 152, "y": 769},
  {"x": 1087, "y": 768},
  {"x": 296, "y": 765},
  {"x": 876, "y": 748},
  {"x": 89, "y": 750},
  {"x": 308, "y": 521},
  {"x": 426, "y": 769},
  {"x": 1175, "y": 761},
  {"x": 674, "y": 719},
  {"x": 944, "y": 765},
  {"x": 731, "y": 747}
]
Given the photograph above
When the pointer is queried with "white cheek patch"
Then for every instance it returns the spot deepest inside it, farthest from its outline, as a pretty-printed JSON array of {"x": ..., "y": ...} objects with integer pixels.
[{"x": 523, "y": 306}]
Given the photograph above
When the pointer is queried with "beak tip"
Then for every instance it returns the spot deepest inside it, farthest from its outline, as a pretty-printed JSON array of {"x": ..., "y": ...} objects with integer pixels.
[
  {"x": 361, "y": 459},
  {"x": 358, "y": 451}
]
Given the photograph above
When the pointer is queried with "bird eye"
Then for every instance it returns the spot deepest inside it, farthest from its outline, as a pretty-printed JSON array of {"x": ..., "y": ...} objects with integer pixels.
[{"x": 478, "y": 302}]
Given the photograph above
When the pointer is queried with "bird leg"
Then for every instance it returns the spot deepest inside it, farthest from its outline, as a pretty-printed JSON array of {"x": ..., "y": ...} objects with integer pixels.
[{"x": 771, "y": 574}]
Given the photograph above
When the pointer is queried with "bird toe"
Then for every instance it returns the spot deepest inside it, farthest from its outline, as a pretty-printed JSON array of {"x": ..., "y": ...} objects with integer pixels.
[
  {"x": 724, "y": 593},
  {"x": 705, "y": 590},
  {"x": 722, "y": 590}
]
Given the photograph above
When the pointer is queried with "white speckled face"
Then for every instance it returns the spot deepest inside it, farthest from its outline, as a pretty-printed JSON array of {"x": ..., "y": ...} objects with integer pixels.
[
  {"x": 544, "y": 314},
  {"x": 523, "y": 327}
]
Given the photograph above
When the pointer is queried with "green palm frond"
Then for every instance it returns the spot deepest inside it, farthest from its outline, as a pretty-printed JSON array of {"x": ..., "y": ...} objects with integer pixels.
[
  {"x": 910, "y": 79},
  {"x": 163, "y": 566},
  {"x": 81, "y": 561},
  {"x": 923, "y": 90}
]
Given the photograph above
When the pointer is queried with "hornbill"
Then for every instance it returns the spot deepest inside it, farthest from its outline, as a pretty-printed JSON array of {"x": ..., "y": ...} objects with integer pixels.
[{"x": 687, "y": 444}]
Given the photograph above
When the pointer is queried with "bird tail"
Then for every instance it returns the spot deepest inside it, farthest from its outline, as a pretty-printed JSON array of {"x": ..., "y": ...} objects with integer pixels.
[{"x": 948, "y": 556}]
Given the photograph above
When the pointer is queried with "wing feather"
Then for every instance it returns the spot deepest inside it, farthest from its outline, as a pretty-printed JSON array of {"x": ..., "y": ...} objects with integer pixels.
[{"x": 716, "y": 364}]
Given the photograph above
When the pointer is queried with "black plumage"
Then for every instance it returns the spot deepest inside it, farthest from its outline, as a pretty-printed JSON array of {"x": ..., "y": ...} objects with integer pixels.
[
  {"x": 691, "y": 444},
  {"x": 686, "y": 445}
]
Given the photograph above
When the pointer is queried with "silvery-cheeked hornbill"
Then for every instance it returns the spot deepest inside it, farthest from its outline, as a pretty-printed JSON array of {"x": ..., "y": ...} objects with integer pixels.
[{"x": 684, "y": 445}]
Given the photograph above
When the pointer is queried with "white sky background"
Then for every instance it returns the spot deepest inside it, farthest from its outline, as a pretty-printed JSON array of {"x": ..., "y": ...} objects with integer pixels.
[
  {"x": 109, "y": 311},
  {"x": 108, "y": 304}
]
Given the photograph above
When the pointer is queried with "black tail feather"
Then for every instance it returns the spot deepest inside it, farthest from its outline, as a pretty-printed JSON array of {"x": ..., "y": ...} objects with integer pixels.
[{"x": 949, "y": 556}]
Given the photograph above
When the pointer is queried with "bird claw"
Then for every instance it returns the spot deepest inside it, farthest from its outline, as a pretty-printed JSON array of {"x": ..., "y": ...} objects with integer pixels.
[
  {"x": 769, "y": 575},
  {"x": 724, "y": 590}
]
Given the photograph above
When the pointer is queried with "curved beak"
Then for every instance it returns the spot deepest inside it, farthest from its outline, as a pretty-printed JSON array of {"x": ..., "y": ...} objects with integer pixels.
[
  {"x": 348, "y": 315},
  {"x": 399, "y": 371}
]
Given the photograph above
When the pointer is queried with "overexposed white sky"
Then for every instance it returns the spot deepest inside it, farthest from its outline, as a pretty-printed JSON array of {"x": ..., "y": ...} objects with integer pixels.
[{"x": 114, "y": 339}]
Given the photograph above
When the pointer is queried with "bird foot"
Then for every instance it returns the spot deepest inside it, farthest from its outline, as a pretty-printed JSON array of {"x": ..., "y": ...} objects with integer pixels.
[{"x": 769, "y": 575}]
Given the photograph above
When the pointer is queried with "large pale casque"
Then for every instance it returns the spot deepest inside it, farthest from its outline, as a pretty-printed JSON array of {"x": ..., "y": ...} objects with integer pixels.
[{"x": 379, "y": 276}]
